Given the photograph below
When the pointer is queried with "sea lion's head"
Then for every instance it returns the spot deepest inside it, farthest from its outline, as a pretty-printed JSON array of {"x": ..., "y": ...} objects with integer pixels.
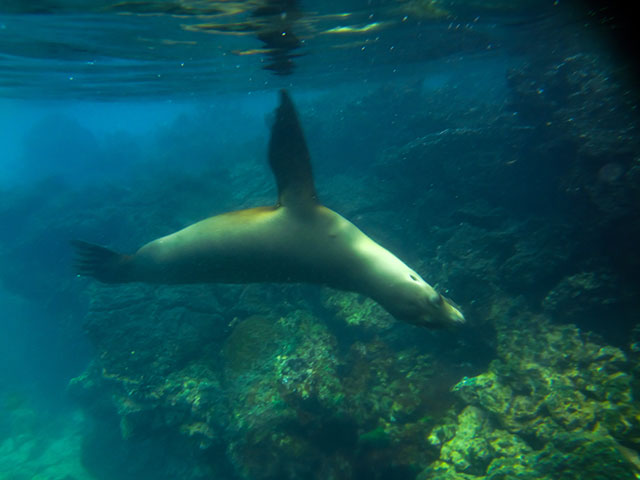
[{"x": 418, "y": 303}]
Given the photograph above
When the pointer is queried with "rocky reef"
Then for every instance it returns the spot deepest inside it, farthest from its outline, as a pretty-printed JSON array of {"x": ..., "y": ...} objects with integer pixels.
[
  {"x": 271, "y": 398},
  {"x": 554, "y": 402},
  {"x": 296, "y": 396}
]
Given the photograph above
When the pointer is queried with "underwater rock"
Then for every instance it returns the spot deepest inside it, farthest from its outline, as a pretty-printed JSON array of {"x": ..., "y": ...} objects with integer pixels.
[
  {"x": 477, "y": 443},
  {"x": 356, "y": 310},
  {"x": 584, "y": 456},
  {"x": 333, "y": 122},
  {"x": 285, "y": 397},
  {"x": 584, "y": 110},
  {"x": 252, "y": 344},
  {"x": 486, "y": 391},
  {"x": 588, "y": 297},
  {"x": 397, "y": 395},
  {"x": 634, "y": 357},
  {"x": 469, "y": 451},
  {"x": 467, "y": 257},
  {"x": 578, "y": 294},
  {"x": 552, "y": 389},
  {"x": 155, "y": 375},
  {"x": 475, "y": 174},
  {"x": 174, "y": 425},
  {"x": 570, "y": 93},
  {"x": 277, "y": 399},
  {"x": 570, "y": 408},
  {"x": 440, "y": 470},
  {"x": 144, "y": 333}
]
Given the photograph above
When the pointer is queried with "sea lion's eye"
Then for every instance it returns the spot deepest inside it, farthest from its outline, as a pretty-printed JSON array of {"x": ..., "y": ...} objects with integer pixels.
[{"x": 413, "y": 277}]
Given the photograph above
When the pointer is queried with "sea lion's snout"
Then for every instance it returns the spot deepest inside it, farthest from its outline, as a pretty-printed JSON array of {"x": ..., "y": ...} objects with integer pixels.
[
  {"x": 418, "y": 303},
  {"x": 453, "y": 316},
  {"x": 439, "y": 313}
]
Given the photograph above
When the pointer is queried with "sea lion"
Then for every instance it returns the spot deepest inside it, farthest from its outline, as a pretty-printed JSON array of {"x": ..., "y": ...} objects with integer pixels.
[{"x": 295, "y": 240}]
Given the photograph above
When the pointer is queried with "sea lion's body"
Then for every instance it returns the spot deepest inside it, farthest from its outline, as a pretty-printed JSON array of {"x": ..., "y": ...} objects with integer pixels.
[
  {"x": 297, "y": 240},
  {"x": 265, "y": 244}
]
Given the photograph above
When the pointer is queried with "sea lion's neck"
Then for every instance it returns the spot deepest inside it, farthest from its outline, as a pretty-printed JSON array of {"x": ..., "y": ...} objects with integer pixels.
[{"x": 381, "y": 271}]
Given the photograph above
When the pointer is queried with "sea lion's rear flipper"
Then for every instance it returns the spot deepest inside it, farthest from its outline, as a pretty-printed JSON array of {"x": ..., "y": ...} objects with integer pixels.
[
  {"x": 101, "y": 263},
  {"x": 289, "y": 158}
]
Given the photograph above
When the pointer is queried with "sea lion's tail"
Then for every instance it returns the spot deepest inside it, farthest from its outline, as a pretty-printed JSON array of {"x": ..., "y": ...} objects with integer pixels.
[{"x": 101, "y": 263}]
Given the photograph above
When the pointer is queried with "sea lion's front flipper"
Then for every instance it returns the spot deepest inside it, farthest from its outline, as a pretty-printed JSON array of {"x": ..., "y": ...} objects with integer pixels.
[{"x": 289, "y": 158}]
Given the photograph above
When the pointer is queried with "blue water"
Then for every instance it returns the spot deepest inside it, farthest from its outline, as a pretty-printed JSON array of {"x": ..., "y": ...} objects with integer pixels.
[{"x": 156, "y": 114}]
